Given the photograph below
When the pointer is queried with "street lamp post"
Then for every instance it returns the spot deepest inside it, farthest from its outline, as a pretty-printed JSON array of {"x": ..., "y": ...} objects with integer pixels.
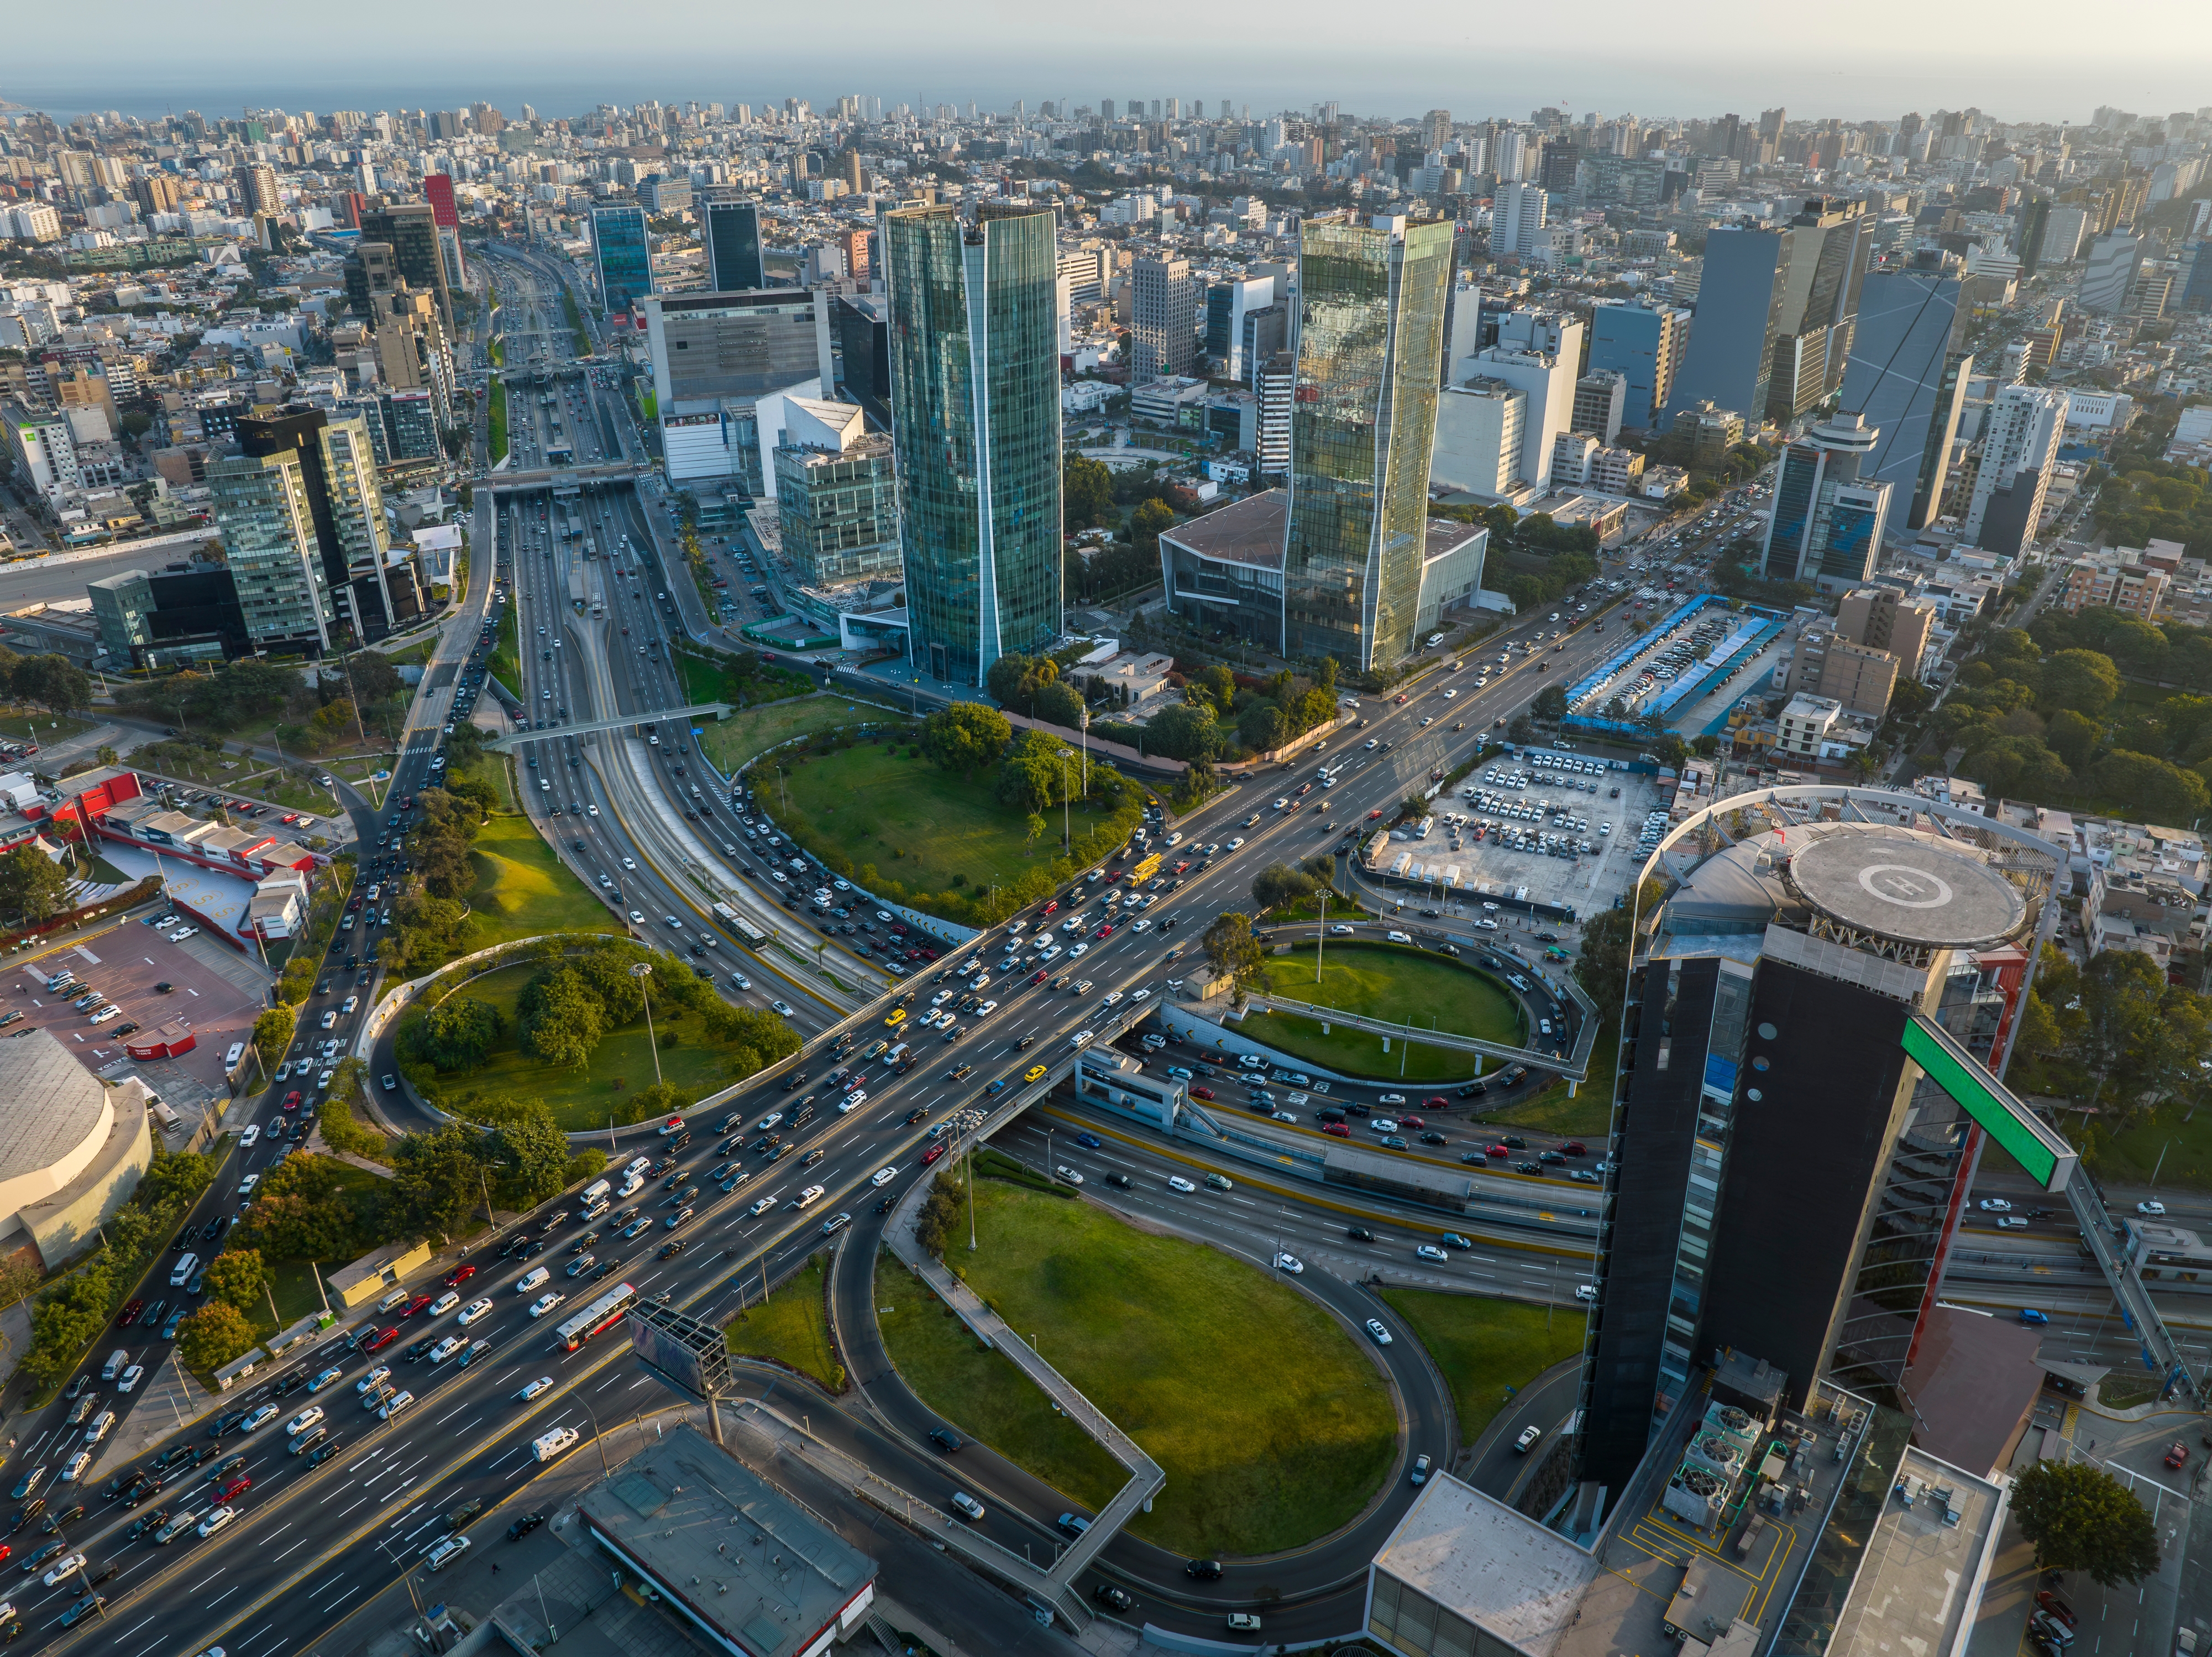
[{"x": 641, "y": 971}]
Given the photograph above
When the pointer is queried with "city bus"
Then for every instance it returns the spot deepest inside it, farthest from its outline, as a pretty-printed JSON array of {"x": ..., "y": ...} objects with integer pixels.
[
  {"x": 599, "y": 1315},
  {"x": 739, "y": 924}
]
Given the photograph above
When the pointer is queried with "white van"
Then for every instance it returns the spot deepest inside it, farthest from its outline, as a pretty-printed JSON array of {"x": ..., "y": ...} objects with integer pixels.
[
  {"x": 399, "y": 1401},
  {"x": 398, "y": 1297},
  {"x": 536, "y": 1278},
  {"x": 182, "y": 1273},
  {"x": 114, "y": 1366},
  {"x": 447, "y": 1551}
]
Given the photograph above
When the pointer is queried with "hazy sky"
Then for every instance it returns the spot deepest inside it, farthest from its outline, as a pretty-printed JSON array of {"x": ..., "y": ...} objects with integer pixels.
[{"x": 1871, "y": 60}]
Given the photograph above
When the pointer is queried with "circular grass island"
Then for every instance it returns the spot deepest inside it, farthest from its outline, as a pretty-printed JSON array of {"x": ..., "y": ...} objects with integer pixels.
[
  {"x": 1274, "y": 1427},
  {"x": 1396, "y": 984},
  {"x": 580, "y": 1100}
]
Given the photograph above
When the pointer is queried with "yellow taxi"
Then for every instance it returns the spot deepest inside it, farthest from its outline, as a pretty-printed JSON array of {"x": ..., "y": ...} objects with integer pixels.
[
  {"x": 1034, "y": 1073},
  {"x": 897, "y": 1017}
]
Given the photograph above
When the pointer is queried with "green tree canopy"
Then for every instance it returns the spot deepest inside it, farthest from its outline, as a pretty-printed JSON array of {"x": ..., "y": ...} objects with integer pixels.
[
  {"x": 560, "y": 1020},
  {"x": 457, "y": 1034},
  {"x": 1230, "y": 949},
  {"x": 2083, "y": 680},
  {"x": 2080, "y": 1518},
  {"x": 32, "y": 885},
  {"x": 437, "y": 1179},
  {"x": 237, "y": 1277},
  {"x": 213, "y": 1336},
  {"x": 965, "y": 737},
  {"x": 1086, "y": 494},
  {"x": 1186, "y": 730},
  {"x": 532, "y": 1154},
  {"x": 1278, "y": 884}
]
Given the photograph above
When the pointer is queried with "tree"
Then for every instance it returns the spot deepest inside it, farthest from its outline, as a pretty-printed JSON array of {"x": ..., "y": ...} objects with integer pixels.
[
  {"x": 53, "y": 682},
  {"x": 32, "y": 885},
  {"x": 2073, "y": 737},
  {"x": 1031, "y": 774},
  {"x": 1670, "y": 751},
  {"x": 1550, "y": 704},
  {"x": 459, "y": 1033},
  {"x": 1231, "y": 949},
  {"x": 1261, "y": 727},
  {"x": 1217, "y": 684},
  {"x": 465, "y": 748},
  {"x": 533, "y": 1158},
  {"x": 1279, "y": 884},
  {"x": 213, "y": 1336},
  {"x": 2083, "y": 680},
  {"x": 237, "y": 1277},
  {"x": 175, "y": 1177},
  {"x": 2157, "y": 790},
  {"x": 1184, "y": 731},
  {"x": 1146, "y": 522},
  {"x": 2082, "y": 1519},
  {"x": 437, "y": 1179},
  {"x": 301, "y": 1211},
  {"x": 272, "y": 1034},
  {"x": 1086, "y": 494},
  {"x": 965, "y": 737}
]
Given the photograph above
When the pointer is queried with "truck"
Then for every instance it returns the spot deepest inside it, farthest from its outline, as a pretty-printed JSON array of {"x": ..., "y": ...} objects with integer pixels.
[
  {"x": 553, "y": 1443},
  {"x": 1145, "y": 869}
]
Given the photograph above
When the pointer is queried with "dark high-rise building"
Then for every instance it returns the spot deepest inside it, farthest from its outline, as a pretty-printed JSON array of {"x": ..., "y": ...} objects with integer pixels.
[
  {"x": 862, "y": 323},
  {"x": 412, "y": 228},
  {"x": 730, "y": 231},
  {"x": 1774, "y": 314},
  {"x": 168, "y": 618},
  {"x": 370, "y": 271},
  {"x": 1807, "y": 1045},
  {"x": 1828, "y": 519},
  {"x": 1906, "y": 375},
  {"x": 975, "y": 348}
]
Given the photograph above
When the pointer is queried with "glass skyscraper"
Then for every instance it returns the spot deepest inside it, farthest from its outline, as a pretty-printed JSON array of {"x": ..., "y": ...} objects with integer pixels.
[
  {"x": 1907, "y": 373},
  {"x": 974, "y": 372},
  {"x": 1371, "y": 302},
  {"x": 625, "y": 256}
]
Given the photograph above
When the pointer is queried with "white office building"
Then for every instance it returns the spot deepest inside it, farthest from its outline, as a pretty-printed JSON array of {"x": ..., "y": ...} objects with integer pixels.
[{"x": 2020, "y": 435}]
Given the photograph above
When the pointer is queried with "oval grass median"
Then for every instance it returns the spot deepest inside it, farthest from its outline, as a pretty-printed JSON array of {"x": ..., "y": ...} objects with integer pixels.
[
  {"x": 1273, "y": 1427},
  {"x": 1392, "y": 983}
]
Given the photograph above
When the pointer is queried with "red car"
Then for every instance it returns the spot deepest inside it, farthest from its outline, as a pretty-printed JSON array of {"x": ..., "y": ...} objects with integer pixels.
[
  {"x": 1372, "y": 815},
  {"x": 1103, "y": 932},
  {"x": 1041, "y": 973},
  {"x": 379, "y": 1341},
  {"x": 1436, "y": 1102},
  {"x": 237, "y": 1487},
  {"x": 1412, "y": 1122},
  {"x": 1182, "y": 866},
  {"x": 1115, "y": 876},
  {"x": 2177, "y": 1455},
  {"x": 1575, "y": 1147},
  {"x": 458, "y": 1276},
  {"x": 1498, "y": 1151},
  {"x": 1336, "y": 1130},
  {"x": 1052, "y": 908},
  {"x": 130, "y": 1314},
  {"x": 414, "y": 1306},
  {"x": 2058, "y": 1607},
  {"x": 292, "y": 1100},
  {"x": 932, "y": 1153},
  {"x": 1201, "y": 1092}
]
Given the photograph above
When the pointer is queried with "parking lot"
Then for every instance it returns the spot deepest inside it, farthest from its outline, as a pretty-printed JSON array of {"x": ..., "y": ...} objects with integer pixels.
[
  {"x": 1542, "y": 827},
  {"x": 124, "y": 962}
]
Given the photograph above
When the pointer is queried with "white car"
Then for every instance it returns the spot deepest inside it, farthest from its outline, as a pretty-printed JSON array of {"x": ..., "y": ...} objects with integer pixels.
[
  {"x": 183, "y": 933},
  {"x": 1380, "y": 1335},
  {"x": 1290, "y": 1263},
  {"x": 781, "y": 1008},
  {"x": 245, "y": 1185},
  {"x": 472, "y": 1311},
  {"x": 1381, "y": 1124},
  {"x": 68, "y": 1565},
  {"x": 372, "y": 1380},
  {"x": 2141, "y": 1208},
  {"x": 535, "y": 1387},
  {"x": 444, "y": 1304},
  {"x": 545, "y": 1303},
  {"x": 1340, "y": 931},
  {"x": 131, "y": 1378},
  {"x": 251, "y": 1137},
  {"x": 1178, "y": 1183},
  {"x": 1430, "y": 1251},
  {"x": 967, "y": 1506},
  {"x": 1068, "y": 1174},
  {"x": 1080, "y": 949},
  {"x": 628, "y": 864},
  {"x": 1998, "y": 1205},
  {"x": 636, "y": 919},
  {"x": 216, "y": 1520},
  {"x": 300, "y": 1422},
  {"x": 883, "y": 1176},
  {"x": 1236, "y": 842}
]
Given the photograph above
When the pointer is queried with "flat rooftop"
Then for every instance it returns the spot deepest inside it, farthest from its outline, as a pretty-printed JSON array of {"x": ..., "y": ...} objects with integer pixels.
[
  {"x": 1248, "y": 532},
  {"x": 726, "y": 1548},
  {"x": 1904, "y": 884},
  {"x": 1483, "y": 1562},
  {"x": 1923, "y": 1571}
]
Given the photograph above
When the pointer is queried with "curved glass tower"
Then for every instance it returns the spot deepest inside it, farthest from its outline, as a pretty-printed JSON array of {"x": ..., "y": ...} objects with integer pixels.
[{"x": 974, "y": 359}]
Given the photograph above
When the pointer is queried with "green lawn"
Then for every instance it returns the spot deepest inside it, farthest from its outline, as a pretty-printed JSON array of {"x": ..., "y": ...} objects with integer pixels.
[
  {"x": 926, "y": 828},
  {"x": 2129, "y": 1158},
  {"x": 1385, "y": 981},
  {"x": 983, "y": 1392},
  {"x": 523, "y": 890},
  {"x": 620, "y": 1064},
  {"x": 1588, "y": 1114},
  {"x": 495, "y": 423},
  {"x": 729, "y": 742},
  {"x": 792, "y": 1328},
  {"x": 1482, "y": 1347},
  {"x": 1273, "y": 1426},
  {"x": 46, "y": 726}
]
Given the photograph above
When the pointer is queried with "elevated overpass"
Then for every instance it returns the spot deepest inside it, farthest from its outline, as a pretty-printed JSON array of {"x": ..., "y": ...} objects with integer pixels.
[
  {"x": 515, "y": 739},
  {"x": 607, "y": 471}
]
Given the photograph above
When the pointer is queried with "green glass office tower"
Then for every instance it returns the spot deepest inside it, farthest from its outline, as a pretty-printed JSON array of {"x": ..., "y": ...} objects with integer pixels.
[
  {"x": 974, "y": 359},
  {"x": 624, "y": 249},
  {"x": 1370, "y": 332}
]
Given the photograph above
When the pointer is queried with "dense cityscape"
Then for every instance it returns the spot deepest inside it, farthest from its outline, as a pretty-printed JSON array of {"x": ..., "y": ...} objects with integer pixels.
[{"x": 1143, "y": 876}]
